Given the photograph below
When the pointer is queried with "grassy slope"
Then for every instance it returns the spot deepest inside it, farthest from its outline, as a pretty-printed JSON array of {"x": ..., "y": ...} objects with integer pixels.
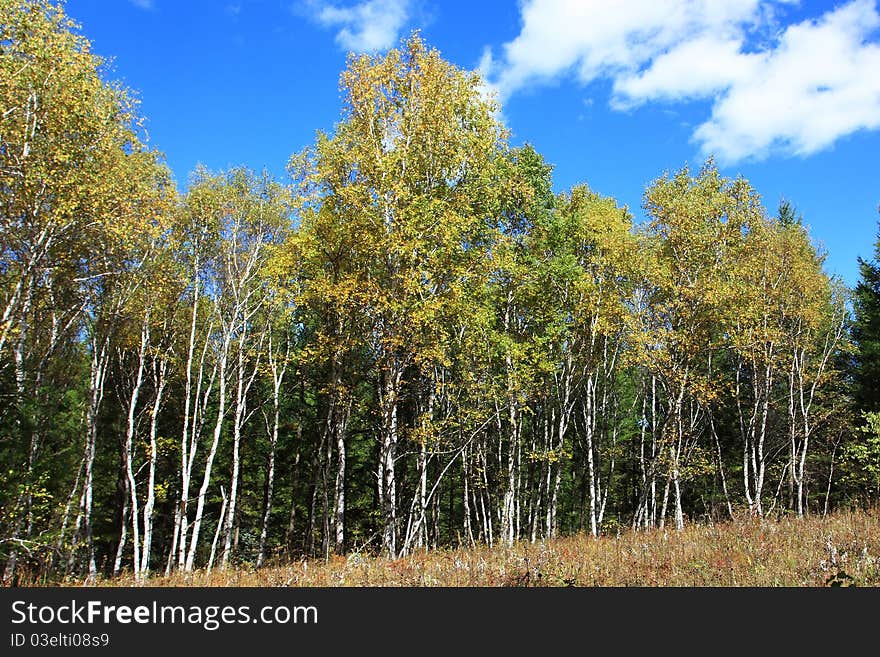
[{"x": 745, "y": 552}]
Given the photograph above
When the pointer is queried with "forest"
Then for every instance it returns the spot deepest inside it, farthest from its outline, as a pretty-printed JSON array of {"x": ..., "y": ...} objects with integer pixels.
[{"x": 410, "y": 342}]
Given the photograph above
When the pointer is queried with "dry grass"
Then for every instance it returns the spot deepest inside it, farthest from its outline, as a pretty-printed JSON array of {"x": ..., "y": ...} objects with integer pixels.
[{"x": 843, "y": 549}]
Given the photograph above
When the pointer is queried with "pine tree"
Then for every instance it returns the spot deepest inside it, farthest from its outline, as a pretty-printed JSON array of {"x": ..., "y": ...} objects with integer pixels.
[{"x": 866, "y": 334}]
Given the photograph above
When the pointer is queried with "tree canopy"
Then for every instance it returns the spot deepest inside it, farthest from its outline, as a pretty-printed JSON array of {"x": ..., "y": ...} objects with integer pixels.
[{"x": 413, "y": 341}]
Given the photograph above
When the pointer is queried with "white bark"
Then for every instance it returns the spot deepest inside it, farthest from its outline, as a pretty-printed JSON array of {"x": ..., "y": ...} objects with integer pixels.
[
  {"x": 278, "y": 367},
  {"x": 209, "y": 461},
  {"x": 159, "y": 379}
]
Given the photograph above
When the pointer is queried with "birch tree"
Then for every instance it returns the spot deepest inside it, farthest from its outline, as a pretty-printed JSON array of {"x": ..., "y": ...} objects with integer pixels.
[
  {"x": 78, "y": 183},
  {"x": 408, "y": 169},
  {"x": 696, "y": 224},
  {"x": 249, "y": 214}
]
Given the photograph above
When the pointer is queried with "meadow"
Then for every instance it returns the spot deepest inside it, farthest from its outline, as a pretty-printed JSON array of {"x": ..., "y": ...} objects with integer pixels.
[{"x": 841, "y": 549}]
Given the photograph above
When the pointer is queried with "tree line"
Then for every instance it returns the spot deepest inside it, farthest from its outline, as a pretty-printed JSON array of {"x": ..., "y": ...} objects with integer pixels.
[{"x": 410, "y": 342}]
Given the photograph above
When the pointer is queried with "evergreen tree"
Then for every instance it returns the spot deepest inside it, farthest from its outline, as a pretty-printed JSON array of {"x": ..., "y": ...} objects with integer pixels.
[
  {"x": 787, "y": 213},
  {"x": 866, "y": 334}
]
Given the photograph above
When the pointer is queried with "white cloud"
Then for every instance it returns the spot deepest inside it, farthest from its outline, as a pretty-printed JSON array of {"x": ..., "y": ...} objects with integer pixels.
[
  {"x": 143, "y": 4},
  {"x": 594, "y": 38},
  {"x": 488, "y": 89},
  {"x": 366, "y": 26},
  {"x": 701, "y": 67},
  {"x": 795, "y": 90},
  {"x": 821, "y": 83}
]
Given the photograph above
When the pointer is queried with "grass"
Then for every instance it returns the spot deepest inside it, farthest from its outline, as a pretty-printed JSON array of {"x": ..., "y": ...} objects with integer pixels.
[{"x": 841, "y": 549}]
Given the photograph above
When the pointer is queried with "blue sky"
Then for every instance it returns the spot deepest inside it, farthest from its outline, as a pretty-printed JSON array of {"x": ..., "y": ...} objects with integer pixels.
[{"x": 613, "y": 94}]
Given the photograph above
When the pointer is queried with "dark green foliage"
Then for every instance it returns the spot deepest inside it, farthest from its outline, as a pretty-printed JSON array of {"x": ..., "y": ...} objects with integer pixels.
[
  {"x": 866, "y": 334},
  {"x": 787, "y": 214}
]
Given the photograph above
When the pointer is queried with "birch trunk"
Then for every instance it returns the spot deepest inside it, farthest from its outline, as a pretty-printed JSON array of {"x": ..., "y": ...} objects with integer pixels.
[
  {"x": 128, "y": 451},
  {"x": 209, "y": 461},
  {"x": 278, "y": 367},
  {"x": 159, "y": 379},
  {"x": 243, "y": 386},
  {"x": 387, "y": 458},
  {"x": 83, "y": 525},
  {"x": 340, "y": 430},
  {"x": 179, "y": 533},
  {"x": 217, "y": 531}
]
